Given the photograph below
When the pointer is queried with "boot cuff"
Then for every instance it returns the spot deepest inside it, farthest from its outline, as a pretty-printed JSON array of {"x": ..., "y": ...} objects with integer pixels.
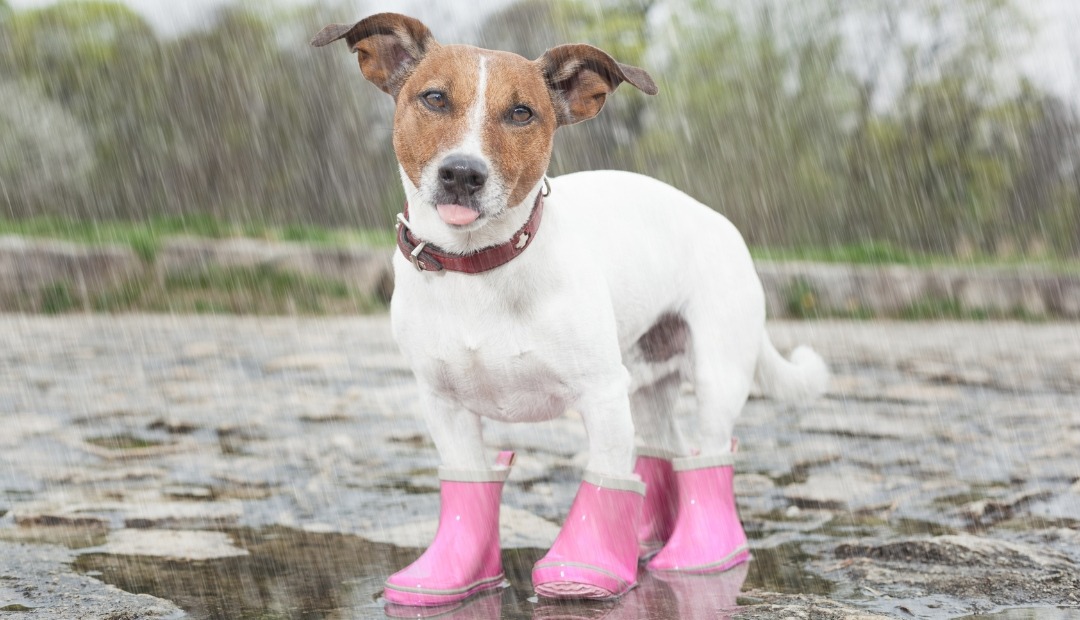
[
  {"x": 634, "y": 485},
  {"x": 495, "y": 474}
]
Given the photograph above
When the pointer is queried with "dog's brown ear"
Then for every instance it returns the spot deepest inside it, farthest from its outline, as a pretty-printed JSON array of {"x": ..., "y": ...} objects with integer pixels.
[
  {"x": 581, "y": 77},
  {"x": 389, "y": 46}
]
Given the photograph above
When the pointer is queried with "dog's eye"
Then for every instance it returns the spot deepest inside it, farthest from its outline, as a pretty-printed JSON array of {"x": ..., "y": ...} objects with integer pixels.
[
  {"x": 521, "y": 114},
  {"x": 434, "y": 100}
]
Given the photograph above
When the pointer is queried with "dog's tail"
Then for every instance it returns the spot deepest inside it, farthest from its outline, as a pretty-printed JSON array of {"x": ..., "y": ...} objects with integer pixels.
[{"x": 805, "y": 376}]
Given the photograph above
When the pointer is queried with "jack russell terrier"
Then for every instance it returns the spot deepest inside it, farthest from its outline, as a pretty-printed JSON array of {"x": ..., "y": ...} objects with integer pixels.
[{"x": 517, "y": 298}]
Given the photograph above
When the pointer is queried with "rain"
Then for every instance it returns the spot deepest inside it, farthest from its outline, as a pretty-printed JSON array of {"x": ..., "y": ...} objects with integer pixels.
[{"x": 206, "y": 411}]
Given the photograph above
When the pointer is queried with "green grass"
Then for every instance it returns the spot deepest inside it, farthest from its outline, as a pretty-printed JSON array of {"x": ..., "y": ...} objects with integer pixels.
[
  {"x": 261, "y": 290},
  {"x": 56, "y": 298},
  {"x": 146, "y": 237},
  {"x": 802, "y": 303},
  {"x": 123, "y": 442},
  {"x": 861, "y": 254},
  {"x": 938, "y": 309},
  {"x": 883, "y": 253}
]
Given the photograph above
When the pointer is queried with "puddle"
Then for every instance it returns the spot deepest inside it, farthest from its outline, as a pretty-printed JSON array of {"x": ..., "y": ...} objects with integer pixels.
[
  {"x": 123, "y": 441},
  {"x": 296, "y": 574},
  {"x": 288, "y": 574},
  {"x": 781, "y": 569},
  {"x": 70, "y": 536}
]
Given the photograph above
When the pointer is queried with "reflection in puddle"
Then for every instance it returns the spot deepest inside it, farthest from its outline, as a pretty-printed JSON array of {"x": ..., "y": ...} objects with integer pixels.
[
  {"x": 288, "y": 574},
  {"x": 296, "y": 574},
  {"x": 783, "y": 569}
]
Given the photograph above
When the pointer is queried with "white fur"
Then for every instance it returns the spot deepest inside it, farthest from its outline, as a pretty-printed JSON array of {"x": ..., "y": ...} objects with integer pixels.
[
  {"x": 804, "y": 377},
  {"x": 557, "y": 328},
  {"x": 472, "y": 143}
]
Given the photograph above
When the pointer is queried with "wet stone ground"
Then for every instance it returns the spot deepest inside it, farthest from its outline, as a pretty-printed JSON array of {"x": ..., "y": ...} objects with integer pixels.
[{"x": 152, "y": 467}]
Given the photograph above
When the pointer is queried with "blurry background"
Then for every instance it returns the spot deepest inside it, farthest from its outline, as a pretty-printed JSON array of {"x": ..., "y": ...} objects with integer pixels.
[{"x": 861, "y": 128}]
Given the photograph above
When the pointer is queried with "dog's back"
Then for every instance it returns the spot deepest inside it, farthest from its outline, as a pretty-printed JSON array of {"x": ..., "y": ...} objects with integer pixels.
[{"x": 661, "y": 251}]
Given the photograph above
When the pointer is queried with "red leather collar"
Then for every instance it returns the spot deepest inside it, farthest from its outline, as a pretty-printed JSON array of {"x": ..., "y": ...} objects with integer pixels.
[{"x": 427, "y": 257}]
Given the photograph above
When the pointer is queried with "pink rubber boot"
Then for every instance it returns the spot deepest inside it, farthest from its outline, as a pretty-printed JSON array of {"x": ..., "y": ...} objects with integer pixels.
[
  {"x": 661, "y": 500},
  {"x": 464, "y": 557},
  {"x": 708, "y": 535},
  {"x": 595, "y": 554}
]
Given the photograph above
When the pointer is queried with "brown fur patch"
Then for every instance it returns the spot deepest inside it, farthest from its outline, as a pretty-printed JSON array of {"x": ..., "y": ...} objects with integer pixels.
[
  {"x": 419, "y": 133},
  {"x": 520, "y": 152},
  {"x": 586, "y": 95},
  {"x": 388, "y": 46},
  {"x": 669, "y": 336},
  {"x": 582, "y": 76},
  {"x": 381, "y": 57}
]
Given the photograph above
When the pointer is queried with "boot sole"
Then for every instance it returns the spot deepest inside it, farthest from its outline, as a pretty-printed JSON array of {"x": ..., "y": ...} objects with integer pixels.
[
  {"x": 422, "y": 597},
  {"x": 736, "y": 557}
]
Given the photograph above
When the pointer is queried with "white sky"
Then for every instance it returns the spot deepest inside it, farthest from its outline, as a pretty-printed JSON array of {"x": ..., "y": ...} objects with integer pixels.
[{"x": 1053, "y": 62}]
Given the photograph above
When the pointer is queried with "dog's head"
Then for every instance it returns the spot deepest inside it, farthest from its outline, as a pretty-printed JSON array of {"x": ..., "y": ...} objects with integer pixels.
[{"x": 473, "y": 128}]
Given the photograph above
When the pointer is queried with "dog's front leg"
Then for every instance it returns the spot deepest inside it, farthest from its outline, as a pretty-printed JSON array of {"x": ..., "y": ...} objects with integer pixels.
[
  {"x": 605, "y": 412},
  {"x": 457, "y": 432},
  {"x": 464, "y": 557},
  {"x": 596, "y": 552}
]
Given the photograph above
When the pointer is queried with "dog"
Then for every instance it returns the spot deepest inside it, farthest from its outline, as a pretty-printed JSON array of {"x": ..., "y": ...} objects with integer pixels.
[{"x": 518, "y": 298}]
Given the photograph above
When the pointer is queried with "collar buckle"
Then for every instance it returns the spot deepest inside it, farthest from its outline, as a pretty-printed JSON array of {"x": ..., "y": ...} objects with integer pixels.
[{"x": 414, "y": 256}]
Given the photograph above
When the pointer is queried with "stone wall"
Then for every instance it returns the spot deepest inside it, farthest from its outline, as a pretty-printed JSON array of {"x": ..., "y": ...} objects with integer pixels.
[
  {"x": 29, "y": 269},
  {"x": 364, "y": 269},
  {"x": 799, "y": 289}
]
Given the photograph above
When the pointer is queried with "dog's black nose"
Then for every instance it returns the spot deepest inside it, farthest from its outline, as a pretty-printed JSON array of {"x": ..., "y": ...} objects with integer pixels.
[{"x": 463, "y": 175}]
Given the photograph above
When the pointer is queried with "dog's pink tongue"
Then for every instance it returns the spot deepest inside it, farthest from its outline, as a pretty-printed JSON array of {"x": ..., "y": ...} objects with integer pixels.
[{"x": 457, "y": 215}]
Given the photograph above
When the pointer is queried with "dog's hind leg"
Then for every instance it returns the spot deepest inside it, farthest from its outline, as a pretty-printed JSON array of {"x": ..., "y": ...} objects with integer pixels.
[
  {"x": 708, "y": 535},
  {"x": 659, "y": 442},
  {"x": 726, "y": 345},
  {"x": 653, "y": 407},
  {"x": 722, "y": 390}
]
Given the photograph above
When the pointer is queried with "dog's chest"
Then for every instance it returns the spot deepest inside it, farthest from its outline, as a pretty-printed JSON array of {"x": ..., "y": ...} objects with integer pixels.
[{"x": 495, "y": 364}]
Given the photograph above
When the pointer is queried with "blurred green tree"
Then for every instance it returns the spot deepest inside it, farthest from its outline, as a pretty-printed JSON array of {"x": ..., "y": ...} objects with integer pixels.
[
  {"x": 1041, "y": 211},
  {"x": 97, "y": 60},
  {"x": 927, "y": 172},
  {"x": 751, "y": 120},
  {"x": 43, "y": 149},
  {"x": 267, "y": 128}
]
